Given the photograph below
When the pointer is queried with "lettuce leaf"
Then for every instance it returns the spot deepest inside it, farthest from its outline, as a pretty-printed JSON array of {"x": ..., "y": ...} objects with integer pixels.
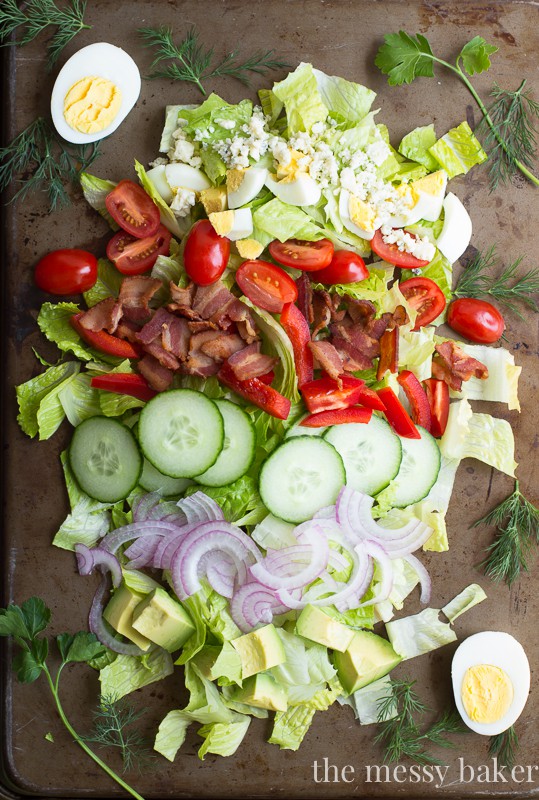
[
  {"x": 346, "y": 101},
  {"x": 95, "y": 190},
  {"x": 416, "y": 144},
  {"x": 108, "y": 283},
  {"x": 372, "y": 288},
  {"x": 464, "y": 601},
  {"x": 36, "y": 413},
  {"x": 365, "y": 703},
  {"x": 458, "y": 151},
  {"x": 167, "y": 215},
  {"x": 237, "y": 500},
  {"x": 415, "y": 351},
  {"x": 282, "y": 221},
  {"x": 302, "y": 99},
  {"x": 128, "y": 673},
  {"x": 291, "y": 726},
  {"x": 273, "y": 533},
  {"x": 171, "y": 125},
  {"x": 139, "y": 581},
  {"x": 271, "y": 105},
  {"x": 501, "y": 386},
  {"x": 53, "y": 320},
  {"x": 421, "y": 633},
  {"x": 223, "y": 739},
  {"x": 82, "y": 526},
  {"x": 79, "y": 401},
  {"x": 307, "y": 669}
]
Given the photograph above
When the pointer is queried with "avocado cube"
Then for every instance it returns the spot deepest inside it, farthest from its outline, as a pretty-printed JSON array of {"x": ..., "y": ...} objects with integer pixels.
[
  {"x": 367, "y": 658},
  {"x": 163, "y": 620},
  {"x": 259, "y": 650},
  {"x": 119, "y": 614},
  {"x": 262, "y": 691},
  {"x": 315, "y": 624}
]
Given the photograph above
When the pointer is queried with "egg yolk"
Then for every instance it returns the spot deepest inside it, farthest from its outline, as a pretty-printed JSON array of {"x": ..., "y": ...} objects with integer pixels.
[
  {"x": 361, "y": 213},
  {"x": 92, "y": 104},
  {"x": 487, "y": 693}
]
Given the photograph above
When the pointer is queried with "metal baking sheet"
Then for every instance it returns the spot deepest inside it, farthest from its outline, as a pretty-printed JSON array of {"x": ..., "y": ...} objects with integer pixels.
[{"x": 340, "y": 37}]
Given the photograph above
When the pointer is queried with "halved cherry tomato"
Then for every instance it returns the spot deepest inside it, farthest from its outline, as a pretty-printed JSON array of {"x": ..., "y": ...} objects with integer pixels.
[
  {"x": 206, "y": 253},
  {"x": 297, "y": 330},
  {"x": 477, "y": 320},
  {"x": 417, "y": 398},
  {"x": 396, "y": 414},
  {"x": 257, "y": 392},
  {"x": 392, "y": 254},
  {"x": 324, "y": 394},
  {"x": 66, "y": 272},
  {"x": 266, "y": 285},
  {"x": 338, "y": 416},
  {"x": 134, "y": 256},
  {"x": 426, "y": 297},
  {"x": 104, "y": 341},
  {"x": 133, "y": 210},
  {"x": 124, "y": 383},
  {"x": 307, "y": 256},
  {"x": 438, "y": 396},
  {"x": 345, "y": 267},
  {"x": 389, "y": 353}
]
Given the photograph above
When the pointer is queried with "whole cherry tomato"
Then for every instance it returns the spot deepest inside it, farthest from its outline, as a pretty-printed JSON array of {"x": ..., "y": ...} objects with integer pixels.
[
  {"x": 206, "y": 253},
  {"x": 66, "y": 272},
  {"x": 477, "y": 320}
]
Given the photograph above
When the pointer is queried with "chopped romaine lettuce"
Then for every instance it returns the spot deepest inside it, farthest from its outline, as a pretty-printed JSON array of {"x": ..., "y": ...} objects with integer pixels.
[
  {"x": 420, "y": 633},
  {"x": 302, "y": 99},
  {"x": 271, "y": 105},
  {"x": 167, "y": 215},
  {"x": 467, "y": 599},
  {"x": 501, "y": 386},
  {"x": 365, "y": 703},
  {"x": 171, "y": 125},
  {"x": 108, "y": 283},
  {"x": 95, "y": 190},
  {"x": 32, "y": 394},
  {"x": 372, "y": 288},
  {"x": 415, "y": 351},
  {"x": 223, "y": 738},
  {"x": 272, "y": 533},
  {"x": 458, "y": 151},
  {"x": 416, "y": 144},
  {"x": 128, "y": 673},
  {"x": 346, "y": 101},
  {"x": 79, "y": 401},
  {"x": 282, "y": 221}
]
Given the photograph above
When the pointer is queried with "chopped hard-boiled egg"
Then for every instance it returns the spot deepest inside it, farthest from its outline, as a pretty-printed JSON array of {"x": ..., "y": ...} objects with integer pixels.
[
  {"x": 491, "y": 681},
  {"x": 157, "y": 176},
  {"x": 213, "y": 199},
  {"x": 430, "y": 192},
  {"x": 94, "y": 91},
  {"x": 457, "y": 230},
  {"x": 249, "y": 248},
  {"x": 234, "y": 224},
  {"x": 301, "y": 191},
  {"x": 185, "y": 177},
  {"x": 243, "y": 185},
  {"x": 357, "y": 216}
]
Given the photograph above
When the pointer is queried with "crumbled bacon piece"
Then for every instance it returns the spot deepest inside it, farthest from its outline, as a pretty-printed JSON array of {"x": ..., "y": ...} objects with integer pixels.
[
  {"x": 136, "y": 292},
  {"x": 329, "y": 359},
  {"x": 352, "y": 358},
  {"x": 182, "y": 296},
  {"x": 223, "y": 346},
  {"x": 250, "y": 362},
  {"x": 305, "y": 297},
  {"x": 453, "y": 365},
  {"x": 159, "y": 377},
  {"x": 105, "y": 315},
  {"x": 175, "y": 338}
]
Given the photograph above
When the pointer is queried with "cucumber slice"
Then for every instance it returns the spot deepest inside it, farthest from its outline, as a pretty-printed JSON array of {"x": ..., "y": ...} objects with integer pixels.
[
  {"x": 417, "y": 473},
  {"x": 181, "y": 432},
  {"x": 105, "y": 459},
  {"x": 371, "y": 452},
  {"x": 154, "y": 481},
  {"x": 300, "y": 477},
  {"x": 238, "y": 450}
]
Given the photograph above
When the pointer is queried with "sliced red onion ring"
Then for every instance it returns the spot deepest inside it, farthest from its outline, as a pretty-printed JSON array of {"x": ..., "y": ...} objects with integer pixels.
[
  {"x": 167, "y": 547},
  {"x": 253, "y": 605},
  {"x": 377, "y": 552},
  {"x": 199, "y": 508},
  {"x": 266, "y": 571},
  {"x": 88, "y": 559},
  {"x": 141, "y": 552},
  {"x": 144, "y": 505},
  {"x": 337, "y": 561},
  {"x": 424, "y": 578},
  {"x": 113, "y": 541},
  {"x": 98, "y": 626},
  {"x": 223, "y": 572}
]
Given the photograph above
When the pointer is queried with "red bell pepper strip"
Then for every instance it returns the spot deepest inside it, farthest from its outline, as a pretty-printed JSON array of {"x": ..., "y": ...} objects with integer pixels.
[
  {"x": 297, "y": 330},
  {"x": 324, "y": 394},
  {"x": 124, "y": 383},
  {"x": 337, "y": 416},
  {"x": 438, "y": 396},
  {"x": 389, "y": 353},
  {"x": 104, "y": 341},
  {"x": 417, "y": 398},
  {"x": 396, "y": 414},
  {"x": 369, "y": 398},
  {"x": 267, "y": 378},
  {"x": 256, "y": 392}
]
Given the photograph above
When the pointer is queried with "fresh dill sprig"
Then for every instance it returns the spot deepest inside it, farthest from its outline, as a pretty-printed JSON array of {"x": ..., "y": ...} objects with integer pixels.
[
  {"x": 37, "y": 15},
  {"x": 504, "y": 747},
  {"x": 517, "y": 521},
  {"x": 400, "y": 733},
  {"x": 113, "y": 727},
  {"x": 508, "y": 287},
  {"x": 511, "y": 136},
  {"x": 191, "y": 62},
  {"x": 45, "y": 162}
]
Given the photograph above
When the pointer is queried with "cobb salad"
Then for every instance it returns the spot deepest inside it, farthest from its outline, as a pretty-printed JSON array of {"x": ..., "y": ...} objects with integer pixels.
[{"x": 268, "y": 423}]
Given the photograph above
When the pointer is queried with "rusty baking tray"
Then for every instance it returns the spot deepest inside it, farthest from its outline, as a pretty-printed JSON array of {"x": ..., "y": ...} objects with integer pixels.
[{"x": 340, "y": 37}]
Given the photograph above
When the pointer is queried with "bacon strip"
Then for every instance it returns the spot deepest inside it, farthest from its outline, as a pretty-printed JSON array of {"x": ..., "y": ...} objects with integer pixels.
[
  {"x": 251, "y": 363},
  {"x": 159, "y": 377},
  {"x": 329, "y": 359},
  {"x": 453, "y": 365},
  {"x": 105, "y": 315},
  {"x": 136, "y": 292}
]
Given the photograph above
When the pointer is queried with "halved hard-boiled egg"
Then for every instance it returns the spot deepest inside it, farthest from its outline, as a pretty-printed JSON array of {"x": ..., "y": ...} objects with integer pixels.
[
  {"x": 357, "y": 216},
  {"x": 94, "y": 92},
  {"x": 457, "y": 230},
  {"x": 491, "y": 681},
  {"x": 243, "y": 185},
  {"x": 301, "y": 190},
  {"x": 234, "y": 225}
]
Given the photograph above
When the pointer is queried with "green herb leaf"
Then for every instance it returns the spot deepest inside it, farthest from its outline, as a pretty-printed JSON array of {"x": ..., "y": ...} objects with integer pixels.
[
  {"x": 113, "y": 727},
  {"x": 36, "y": 615},
  {"x": 27, "y": 667},
  {"x": 504, "y": 747},
  {"x": 403, "y": 58},
  {"x": 13, "y": 623},
  {"x": 475, "y": 55},
  {"x": 79, "y": 647}
]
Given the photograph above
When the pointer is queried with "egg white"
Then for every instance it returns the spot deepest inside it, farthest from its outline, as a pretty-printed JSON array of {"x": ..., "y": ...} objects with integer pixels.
[
  {"x": 303, "y": 191},
  {"x": 457, "y": 230},
  {"x": 253, "y": 181},
  {"x": 499, "y": 650},
  {"x": 101, "y": 60}
]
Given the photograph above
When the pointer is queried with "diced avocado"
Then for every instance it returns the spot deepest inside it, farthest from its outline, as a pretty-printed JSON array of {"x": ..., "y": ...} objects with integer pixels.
[
  {"x": 213, "y": 199},
  {"x": 163, "y": 620},
  {"x": 259, "y": 650},
  {"x": 262, "y": 691},
  {"x": 119, "y": 614},
  {"x": 367, "y": 658},
  {"x": 315, "y": 624}
]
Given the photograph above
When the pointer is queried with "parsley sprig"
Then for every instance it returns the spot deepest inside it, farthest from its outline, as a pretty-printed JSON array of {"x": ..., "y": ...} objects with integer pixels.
[
  {"x": 509, "y": 287},
  {"x": 510, "y": 122},
  {"x": 190, "y": 62},
  {"x": 517, "y": 521},
  {"x": 31, "y": 18},
  {"x": 24, "y": 624},
  {"x": 400, "y": 732},
  {"x": 45, "y": 161}
]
